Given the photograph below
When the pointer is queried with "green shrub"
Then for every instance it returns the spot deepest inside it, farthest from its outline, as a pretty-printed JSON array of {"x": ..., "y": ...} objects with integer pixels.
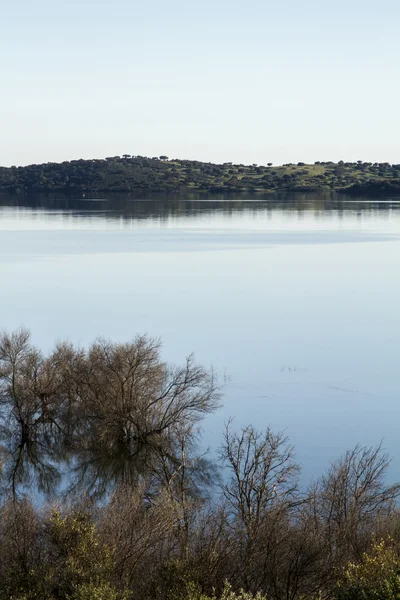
[
  {"x": 93, "y": 591},
  {"x": 193, "y": 593},
  {"x": 376, "y": 577}
]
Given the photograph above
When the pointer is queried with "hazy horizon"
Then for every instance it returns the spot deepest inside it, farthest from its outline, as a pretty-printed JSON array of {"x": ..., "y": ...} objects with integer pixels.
[{"x": 224, "y": 82}]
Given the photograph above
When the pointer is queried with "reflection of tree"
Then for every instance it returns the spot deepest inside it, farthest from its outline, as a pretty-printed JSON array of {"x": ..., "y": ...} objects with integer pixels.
[
  {"x": 113, "y": 412},
  {"x": 161, "y": 208},
  {"x": 29, "y": 414},
  {"x": 130, "y": 407}
]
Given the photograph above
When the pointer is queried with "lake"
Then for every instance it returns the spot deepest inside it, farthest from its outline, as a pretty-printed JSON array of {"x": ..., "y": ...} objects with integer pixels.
[{"x": 294, "y": 300}]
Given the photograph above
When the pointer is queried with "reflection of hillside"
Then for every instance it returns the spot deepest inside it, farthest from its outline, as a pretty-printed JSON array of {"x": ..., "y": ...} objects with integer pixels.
[{"x": 164, "y": 208}]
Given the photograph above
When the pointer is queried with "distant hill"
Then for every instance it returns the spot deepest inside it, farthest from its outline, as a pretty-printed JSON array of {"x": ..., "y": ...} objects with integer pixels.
[{"x": 140, "y": 174}]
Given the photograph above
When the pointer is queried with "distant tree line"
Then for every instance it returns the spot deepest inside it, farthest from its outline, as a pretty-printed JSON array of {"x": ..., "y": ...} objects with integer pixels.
[
  {"x": 161, "y": 174},
  {"x": 128, "y": 508}
]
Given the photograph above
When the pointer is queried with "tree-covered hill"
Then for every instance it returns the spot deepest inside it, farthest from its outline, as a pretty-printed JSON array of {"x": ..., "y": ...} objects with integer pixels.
[{"x": 160, "y": 174}]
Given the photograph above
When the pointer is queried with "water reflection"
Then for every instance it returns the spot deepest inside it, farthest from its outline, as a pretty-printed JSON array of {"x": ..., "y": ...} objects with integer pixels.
[
  {"x": 123, "y": 211},
  {"x": 267, "y": 289},
  {"x": 126, "y": 207}
]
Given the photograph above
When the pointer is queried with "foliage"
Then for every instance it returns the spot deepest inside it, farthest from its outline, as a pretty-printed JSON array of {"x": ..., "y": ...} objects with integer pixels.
[
  {"x": 64, "y": 558},
  {"x": 193, "y": 593},
  {"x": 375, "y": 577},
  {"x": 80, "y": 557},
  {"x": 138, "y": 173},
  {"x": 92, "y": 591}
]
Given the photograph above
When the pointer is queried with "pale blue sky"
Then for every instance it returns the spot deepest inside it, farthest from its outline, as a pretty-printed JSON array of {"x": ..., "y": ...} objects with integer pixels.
[{"x": 254, "y": 81}]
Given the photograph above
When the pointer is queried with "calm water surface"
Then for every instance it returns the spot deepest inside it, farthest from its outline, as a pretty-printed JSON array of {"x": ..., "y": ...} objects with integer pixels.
[{"x": 296, "y": 303}]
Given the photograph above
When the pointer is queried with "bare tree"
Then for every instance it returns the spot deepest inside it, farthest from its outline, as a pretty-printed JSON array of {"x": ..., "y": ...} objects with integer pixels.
[
  {"x": 187, "y": 477},
  {"x": 28, "y": 414},
  {"x": 130, "y": 407},
  {"x": 262, "y": 474},
  {"x": 141, "y": 532},
  {"x": 352, "y": 498},
  {"x": 262, "y": 484},
  {"x": 21, "y": 550},
  {"x": 112, "y": 411}
]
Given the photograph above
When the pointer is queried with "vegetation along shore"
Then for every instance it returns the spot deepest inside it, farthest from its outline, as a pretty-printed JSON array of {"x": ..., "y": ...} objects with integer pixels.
[
  {"x": 106, "y": 496},
  {"x": 160, "y": 174}
]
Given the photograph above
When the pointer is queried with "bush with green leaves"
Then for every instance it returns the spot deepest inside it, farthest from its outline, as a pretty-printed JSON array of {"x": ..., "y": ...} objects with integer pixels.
[
  {"x": 93, "y": 591},
  {"x": 194, "y": 593},
  {"x": 376, "y": 577}
]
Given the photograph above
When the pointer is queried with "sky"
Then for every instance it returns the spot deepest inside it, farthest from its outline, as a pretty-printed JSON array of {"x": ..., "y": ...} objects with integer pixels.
[{"x": 216, "y": 80}]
